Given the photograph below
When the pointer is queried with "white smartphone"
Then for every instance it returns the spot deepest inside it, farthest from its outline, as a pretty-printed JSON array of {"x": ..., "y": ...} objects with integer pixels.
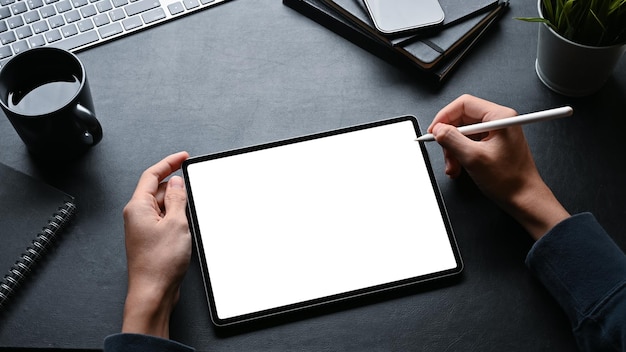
[{"x": 396, "y": 16}]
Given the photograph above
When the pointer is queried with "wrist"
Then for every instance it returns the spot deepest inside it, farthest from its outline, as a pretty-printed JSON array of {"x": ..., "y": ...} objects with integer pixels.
[
  {"x": 147, "y": 311},
  {"x": 537, "y": 209}
]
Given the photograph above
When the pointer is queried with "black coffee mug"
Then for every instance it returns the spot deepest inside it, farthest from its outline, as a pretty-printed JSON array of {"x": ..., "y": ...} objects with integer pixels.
[{"x": 45, "y": 94}]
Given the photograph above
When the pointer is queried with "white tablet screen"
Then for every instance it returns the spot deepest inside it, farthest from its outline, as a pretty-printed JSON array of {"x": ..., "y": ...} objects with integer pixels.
[{"x": 320, "y": 217}]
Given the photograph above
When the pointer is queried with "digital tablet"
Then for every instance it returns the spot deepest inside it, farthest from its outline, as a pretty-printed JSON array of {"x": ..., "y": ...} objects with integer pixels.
[{"x": 316, "y": 219}]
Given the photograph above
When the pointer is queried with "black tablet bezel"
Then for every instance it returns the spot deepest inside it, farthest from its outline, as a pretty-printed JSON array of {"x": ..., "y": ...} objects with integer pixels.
[{"x": 328, "y": 299}]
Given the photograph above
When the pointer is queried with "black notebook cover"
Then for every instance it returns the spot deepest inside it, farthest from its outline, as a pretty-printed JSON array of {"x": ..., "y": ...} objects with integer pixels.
[
  {"x": 33, "y": 215},
  {"x": 433, "y": 57},
  {"x": 428, "y": 52}
]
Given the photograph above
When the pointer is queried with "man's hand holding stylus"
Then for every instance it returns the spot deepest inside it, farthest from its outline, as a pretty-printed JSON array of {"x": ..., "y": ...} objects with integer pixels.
[{"x": 500, "y": 164}]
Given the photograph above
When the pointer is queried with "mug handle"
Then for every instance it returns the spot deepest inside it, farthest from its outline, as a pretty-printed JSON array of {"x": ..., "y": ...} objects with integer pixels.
[{"x": 87, "y": 120}]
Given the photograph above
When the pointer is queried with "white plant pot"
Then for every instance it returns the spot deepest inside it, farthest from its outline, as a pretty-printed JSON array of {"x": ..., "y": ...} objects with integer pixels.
[{"x": 570, "y": 68}]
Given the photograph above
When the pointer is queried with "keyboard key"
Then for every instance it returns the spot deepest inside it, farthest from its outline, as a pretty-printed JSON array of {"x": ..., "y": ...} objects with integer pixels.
[
  {"x": 120, "y": 3},
  {"x": 40, "y": 27},
  {"x": 104, "y": 5},
  {"x": 23, "y": 32},
  {"x": 48, "y": 2},
  {"x": 88, "y": 11},
  {"x": 15, "y": 21},
  {"x": 20, "y": 46},
  {"x": 204, "y": 2},
  {"x": 191, "y": 4},
  {"x": 53, "y": 36},
  {"x": 47, "y": 11},
  {"x": 153, "y": 15},
  {"x": 19, "y": 7},
  {"x": 110, "y": 30},
  {"x": 72, "y": 16},
  {"x": 56, "y": 21},
  {"x": 101, "y": 20},
  {"x": 117, "y": 15},
  {"x": 35, "y": 4},
  {"x": 5, "y": 12},
  {"x": 5, "y": 52},
  {"x": 85, "y": 25},
  {"x": 175, "y": 8},
  {"x": 6, "y": 2},
  {"x": 69, "y": 30},
  {"x": 63, "y": 6},
  {"x": 79, "y": 3},
  {"x": 141, "y": 6},
  {"x": 132, "y": 23},
  {"x": 36, "y": 41},
  {"x": 77, "y": 41},
  {"x": 3, "y": 26},
  {"x": 7, "y": 38},
  {"x": 31, "y": 16}
]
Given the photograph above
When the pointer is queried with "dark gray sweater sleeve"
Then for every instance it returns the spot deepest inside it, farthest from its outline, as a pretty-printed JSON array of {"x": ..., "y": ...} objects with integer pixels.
[
  {"x": 142, "y": 343},
  {"x": 585, "y": 271}
]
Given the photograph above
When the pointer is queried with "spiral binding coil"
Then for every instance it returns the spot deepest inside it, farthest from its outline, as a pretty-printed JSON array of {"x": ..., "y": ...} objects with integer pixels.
[{"x": 33, "y": 253}]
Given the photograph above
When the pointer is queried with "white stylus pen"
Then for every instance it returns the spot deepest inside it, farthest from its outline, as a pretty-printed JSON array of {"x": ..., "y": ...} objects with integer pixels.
[{"x": 507, "y": 122}]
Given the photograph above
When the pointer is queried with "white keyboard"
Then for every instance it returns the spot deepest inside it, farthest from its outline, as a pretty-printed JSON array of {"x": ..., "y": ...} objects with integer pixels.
[{"x": 79, "y": 24}]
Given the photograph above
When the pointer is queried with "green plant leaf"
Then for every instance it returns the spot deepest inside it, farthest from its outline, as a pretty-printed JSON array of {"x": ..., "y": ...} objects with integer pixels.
[
  {"x": 532, "y": 19},
  {"x": 590, "y": 22},
  {"x": 547, "y": 8}
]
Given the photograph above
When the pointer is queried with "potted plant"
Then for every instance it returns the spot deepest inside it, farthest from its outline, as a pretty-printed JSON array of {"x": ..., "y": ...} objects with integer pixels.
[{"x": 580, "y": 42}]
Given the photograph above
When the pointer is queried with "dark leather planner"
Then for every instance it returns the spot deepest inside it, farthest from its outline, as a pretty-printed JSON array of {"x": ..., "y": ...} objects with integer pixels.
[{"x": 432, "y": 55}]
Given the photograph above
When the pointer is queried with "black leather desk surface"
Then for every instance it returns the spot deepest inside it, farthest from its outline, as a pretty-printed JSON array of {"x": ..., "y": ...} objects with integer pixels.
[{"x": 253, "y": 71}]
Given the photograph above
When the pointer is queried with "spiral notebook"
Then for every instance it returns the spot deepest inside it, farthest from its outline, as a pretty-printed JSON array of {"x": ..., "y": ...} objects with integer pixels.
[{"x": 34, "y": 215}]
